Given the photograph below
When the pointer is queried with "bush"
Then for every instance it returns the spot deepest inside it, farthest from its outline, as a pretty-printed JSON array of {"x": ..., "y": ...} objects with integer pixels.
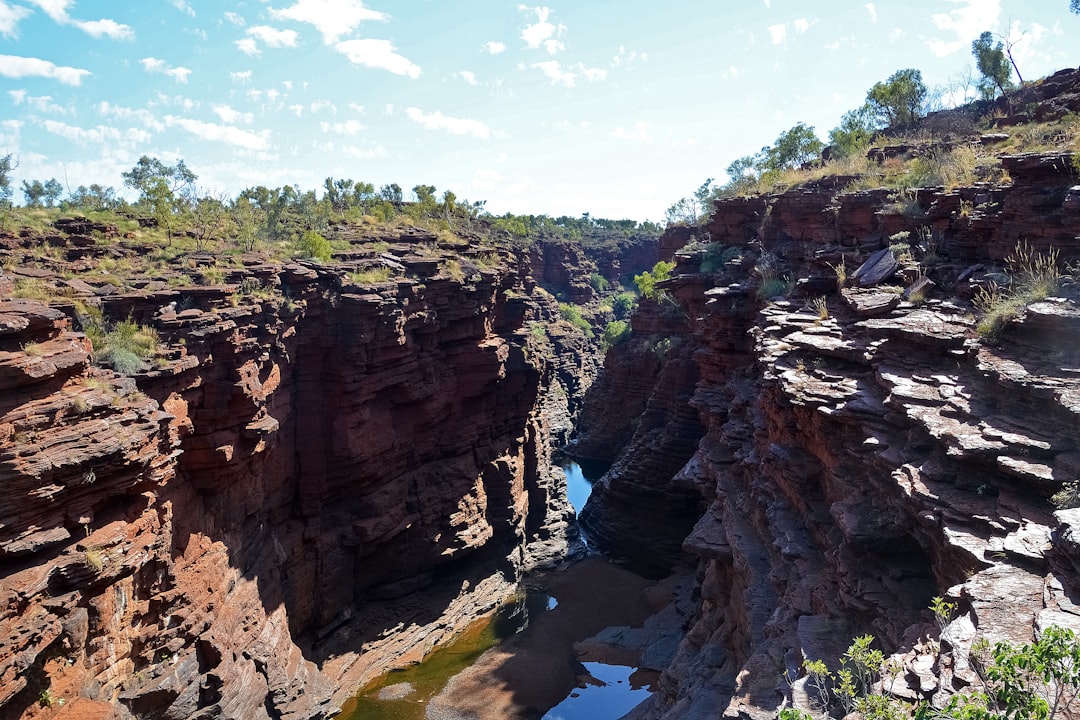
[
  {"x": 572, "y": 315},
  {"x": 599, "y": 282},
  {"x": 314, "y": 246},
  {"x": 125, "y": 347},
  {"x": 615, "y": 332},
  {"x": 647, "y": 281}
]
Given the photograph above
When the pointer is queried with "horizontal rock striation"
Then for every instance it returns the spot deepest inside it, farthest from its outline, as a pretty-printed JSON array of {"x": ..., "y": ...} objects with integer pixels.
[
  {"x": 865, "y": 451},
  {"x": 242, "y": 529}
]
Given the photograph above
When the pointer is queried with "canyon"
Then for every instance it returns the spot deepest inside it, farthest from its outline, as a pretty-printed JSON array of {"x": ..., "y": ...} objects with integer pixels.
[{"x": 320, "y": 478}]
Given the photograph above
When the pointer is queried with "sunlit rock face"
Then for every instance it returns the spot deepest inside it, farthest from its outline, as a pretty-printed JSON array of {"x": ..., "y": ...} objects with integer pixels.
[
  {"x": 858, "y": 450},
  {"x": 308, "y": 488}
]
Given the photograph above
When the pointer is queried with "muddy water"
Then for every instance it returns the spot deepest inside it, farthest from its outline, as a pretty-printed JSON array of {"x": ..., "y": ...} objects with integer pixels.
[{"x": 521, "y": 664}]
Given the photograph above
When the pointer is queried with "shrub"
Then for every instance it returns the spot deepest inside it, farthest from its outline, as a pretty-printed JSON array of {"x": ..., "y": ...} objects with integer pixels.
[
  {"x": 716, "y": 256},
  {"x": 647, "y": 281},
  {"x": 622, "y": 305},
  {"x": 572, "y": 315},
  {"x": 124, "y": 347},
  {"x": 615, "y": 332},
  {"x": 599, "y": 282},
  {"x": 314, "y": 246}
]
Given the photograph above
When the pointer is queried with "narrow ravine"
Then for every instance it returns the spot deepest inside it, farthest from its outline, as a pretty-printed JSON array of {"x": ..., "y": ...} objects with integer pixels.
[{"x": 565, "y": 648}]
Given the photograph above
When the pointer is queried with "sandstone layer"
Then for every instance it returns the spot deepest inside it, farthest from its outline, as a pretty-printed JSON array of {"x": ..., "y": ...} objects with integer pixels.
[
  {"x": 863, "y": 448},
  {"x": 314, "y": 482}
]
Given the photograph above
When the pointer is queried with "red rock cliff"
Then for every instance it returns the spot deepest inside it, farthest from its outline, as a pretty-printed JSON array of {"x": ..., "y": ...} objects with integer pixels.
[
  {"x": 241, "y": 531},
  {"x": 864, "y": 455}
]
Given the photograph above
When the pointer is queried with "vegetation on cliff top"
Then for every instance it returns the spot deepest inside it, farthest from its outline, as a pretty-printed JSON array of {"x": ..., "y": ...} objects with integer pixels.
[{"x": 902, "y": 112}]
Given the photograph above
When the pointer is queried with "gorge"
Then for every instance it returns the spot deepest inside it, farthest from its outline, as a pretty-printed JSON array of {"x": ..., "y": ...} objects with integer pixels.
[{"x": 322, "y": 476}]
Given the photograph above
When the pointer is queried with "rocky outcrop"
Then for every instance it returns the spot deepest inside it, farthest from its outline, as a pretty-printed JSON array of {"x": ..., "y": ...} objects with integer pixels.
[
  {"x": 864, "y": 448},
  {"x": 242, "y": 529}
]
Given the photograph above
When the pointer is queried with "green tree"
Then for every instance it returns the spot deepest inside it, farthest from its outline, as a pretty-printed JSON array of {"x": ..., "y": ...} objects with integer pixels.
[
  {"x": 33, "y": 191},
  {"x": 164, "y": 189},
  {"x": 898, "y": 101},
  {"x": 95, "y": 197},
  {"x": 852, "y": 136},
  {"x": 647, "y": 281},
  {"x": 391, "y": 193},
  {"x": 1074, "y": 6},
  {"x": 742, "y": 173},
  {"x": 793, "y": 148},
  {"x": 7, "y": 165},
  {"x": 991, "y": 61},
  {"x": 315, "y": 246},
  {"x": 338, "y": 194}
]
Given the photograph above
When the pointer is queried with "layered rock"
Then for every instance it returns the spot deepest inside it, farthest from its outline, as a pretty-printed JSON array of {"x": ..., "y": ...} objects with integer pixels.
[
  {"x": 242, "y": 529},
  {"x": 864, "y": 453}
]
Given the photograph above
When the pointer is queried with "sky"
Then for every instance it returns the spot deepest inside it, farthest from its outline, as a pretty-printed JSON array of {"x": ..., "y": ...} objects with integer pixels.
[{"x": 616, "y": 109}]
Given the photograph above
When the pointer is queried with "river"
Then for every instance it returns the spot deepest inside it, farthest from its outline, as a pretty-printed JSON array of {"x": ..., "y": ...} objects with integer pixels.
[{"x": 522, "y": 661}]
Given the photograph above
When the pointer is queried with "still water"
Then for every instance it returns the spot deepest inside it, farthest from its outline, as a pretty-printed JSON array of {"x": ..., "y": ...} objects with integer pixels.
[
  {"x": 606, "y": 692},
  {"x": 404, "y": 694},
  {"x": 579, "y": 482}
]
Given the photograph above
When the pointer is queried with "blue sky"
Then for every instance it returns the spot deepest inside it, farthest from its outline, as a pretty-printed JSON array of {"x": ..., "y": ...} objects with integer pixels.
[{"x": 612, "y": 108}]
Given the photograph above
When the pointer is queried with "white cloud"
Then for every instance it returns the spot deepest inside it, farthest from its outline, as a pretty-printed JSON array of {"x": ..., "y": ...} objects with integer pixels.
[
  {"x": 357, "y": 108},
  {"x": 778, "y": 33},
  {"x": 379, "y": 54},
  {"x": 349, "y": 127},
  {"x": 57, "y": 10},
  {"x": 157, "y": 65},
  {"x": 233, "y": 116},
  {"x": 639, "y": 133},
  {"x": 297, "y": 110},
  {"x": 272, "y": 37},
  {"x": 966, "y": 22},
  {"x": 234, "y": 19},
  {"x": 567, "y": 75},
  {"x": 468, "y": 76},
  {"x": 14, "y": 66},
  {"x": 494, "y": 47},
  {"x": 802, "y": 25},
  {"x": 628, "y": 57},
  {"x": 542, "y": 33},
  {"x": 454, "y": 126},
  {"x": 97, "y": 135},
  {"x": 555, "y": 72},
  {"x": 319, "y": 105},
  {"x": 183, "y": 6},
  {"x": 872, "y": 10},
  {"x": 221, "y": 133},
  {"x": 40, "y": 103},
  {"x": 179, "y": 74},
  {"x": 732, "y": 71},
  {"x": 333, "y": 18},
  {"x": 10, "y": 15},
  {"x": 147, "y": 118},
  {"x": 241, "y": 77},
  {"x": 105, "y": 28},
  {"x": 248, "y": 46}
]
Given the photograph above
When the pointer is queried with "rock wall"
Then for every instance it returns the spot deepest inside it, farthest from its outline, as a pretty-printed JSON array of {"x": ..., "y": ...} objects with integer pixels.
[
  {"x": 241, "y": 531},
  {"x": 865, "y": 450}
]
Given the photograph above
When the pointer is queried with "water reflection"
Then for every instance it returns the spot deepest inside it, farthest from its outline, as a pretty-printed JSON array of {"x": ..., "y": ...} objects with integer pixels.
[
  {"x": 579, "y": 481},
  {"x": 404, "y": 694},
  {"x": 609, "y": 693}
]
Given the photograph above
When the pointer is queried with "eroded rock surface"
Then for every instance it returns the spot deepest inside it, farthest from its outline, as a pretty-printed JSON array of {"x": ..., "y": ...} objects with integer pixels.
[
  {"x": 315, "y": 481},
  {"x": 862, "y": 452}
]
